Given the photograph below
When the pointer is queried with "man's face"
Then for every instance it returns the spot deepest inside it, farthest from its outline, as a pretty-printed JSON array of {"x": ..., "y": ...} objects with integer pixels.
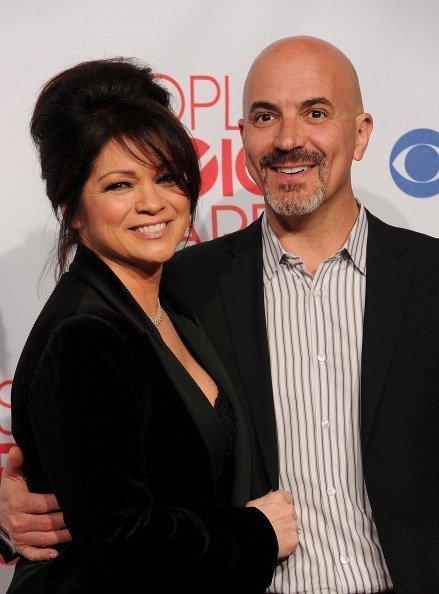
[{"x": 301, "y": 129}]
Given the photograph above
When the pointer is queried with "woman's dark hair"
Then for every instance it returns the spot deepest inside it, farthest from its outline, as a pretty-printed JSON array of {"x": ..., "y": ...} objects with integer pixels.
[{"x": 81, "y": 109}]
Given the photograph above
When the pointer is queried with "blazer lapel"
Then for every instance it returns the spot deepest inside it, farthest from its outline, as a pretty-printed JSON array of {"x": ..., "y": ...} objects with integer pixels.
[
  {"x": 88, "y": 267},
  {"x": 197, "y": 405},
  {"x": 202, "y": 349},
  {"x": 241, "y": 284},
  {"x": 388, "y": 278}
]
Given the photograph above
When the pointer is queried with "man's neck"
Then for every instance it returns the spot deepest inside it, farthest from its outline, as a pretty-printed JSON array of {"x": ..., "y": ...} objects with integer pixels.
[{"x": 318, "y": 235}]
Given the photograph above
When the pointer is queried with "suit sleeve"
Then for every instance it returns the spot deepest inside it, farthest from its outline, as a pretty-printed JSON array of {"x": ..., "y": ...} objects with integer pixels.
[{"x": 88, "y": 424}]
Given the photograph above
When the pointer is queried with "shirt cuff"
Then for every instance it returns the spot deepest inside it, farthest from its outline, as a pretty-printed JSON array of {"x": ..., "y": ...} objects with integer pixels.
[{"x": 7, "y": 549}]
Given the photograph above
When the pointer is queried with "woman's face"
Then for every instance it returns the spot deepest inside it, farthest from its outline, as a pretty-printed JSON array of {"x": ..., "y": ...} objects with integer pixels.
[{"x": 132, "y": 214}]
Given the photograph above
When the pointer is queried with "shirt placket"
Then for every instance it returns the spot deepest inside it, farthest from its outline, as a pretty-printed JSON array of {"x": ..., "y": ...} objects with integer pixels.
[{"x": 324, "y": 416}]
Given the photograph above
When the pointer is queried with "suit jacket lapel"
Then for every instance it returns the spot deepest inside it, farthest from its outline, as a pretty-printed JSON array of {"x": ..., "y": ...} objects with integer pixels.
[
  {"x": 241, "y": 285},
  {"x": 388, "y": 278}
]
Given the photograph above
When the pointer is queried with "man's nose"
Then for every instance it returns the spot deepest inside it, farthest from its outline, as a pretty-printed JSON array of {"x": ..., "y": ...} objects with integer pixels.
[{"x": 290, "y": 135}]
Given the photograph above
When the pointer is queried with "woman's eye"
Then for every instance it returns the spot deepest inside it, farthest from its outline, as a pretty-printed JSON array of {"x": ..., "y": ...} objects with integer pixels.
[
  {"x": 121, "y": 185},
  {"x": 166, "y": 178}
]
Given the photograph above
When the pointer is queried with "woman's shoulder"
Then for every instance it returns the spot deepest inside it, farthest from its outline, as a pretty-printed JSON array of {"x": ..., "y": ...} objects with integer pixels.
[
  {"x": 74, "y": 303},
  {"x": 75, "y": 315}
]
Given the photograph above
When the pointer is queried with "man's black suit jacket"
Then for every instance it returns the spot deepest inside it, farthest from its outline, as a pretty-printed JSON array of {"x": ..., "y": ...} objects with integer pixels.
[
  {"x": 221, "y": 281},
  {"x": 111, "y": 423}
]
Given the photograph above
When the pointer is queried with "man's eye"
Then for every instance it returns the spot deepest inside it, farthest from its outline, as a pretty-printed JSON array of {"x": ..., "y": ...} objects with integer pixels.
[
  {"x": 316, "y": 114},
  {"x": 263, "y": 117},
  {"x": 120, "y": 185}
]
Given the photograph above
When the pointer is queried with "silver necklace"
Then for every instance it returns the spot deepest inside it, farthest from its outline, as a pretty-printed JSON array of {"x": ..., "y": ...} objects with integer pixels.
[{"x": 159, "y": 317}]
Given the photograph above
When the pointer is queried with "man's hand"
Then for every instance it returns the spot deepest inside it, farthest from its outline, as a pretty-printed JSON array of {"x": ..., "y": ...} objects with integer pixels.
[
  {"x": 279, "y": 509},
  {"x": 31, "y": 520}
]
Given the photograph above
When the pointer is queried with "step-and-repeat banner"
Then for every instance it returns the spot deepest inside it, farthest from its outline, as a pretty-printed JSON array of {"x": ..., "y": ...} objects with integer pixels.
[{"x": 202, "y": 50}]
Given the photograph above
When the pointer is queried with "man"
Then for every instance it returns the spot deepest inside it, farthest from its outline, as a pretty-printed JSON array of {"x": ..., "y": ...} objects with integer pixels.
[{"x": 327, "y": 322}]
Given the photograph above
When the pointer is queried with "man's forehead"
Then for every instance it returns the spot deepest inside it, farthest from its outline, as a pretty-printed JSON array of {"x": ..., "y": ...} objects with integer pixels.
[
  {"x": 290, "y": 87},
  {"x": 294, "y": 81},
  {"x": 299, "y": 69}
]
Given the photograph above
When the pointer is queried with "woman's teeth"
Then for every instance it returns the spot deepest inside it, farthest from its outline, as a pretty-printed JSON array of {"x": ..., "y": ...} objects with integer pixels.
[{"x": 151, "y": 228}]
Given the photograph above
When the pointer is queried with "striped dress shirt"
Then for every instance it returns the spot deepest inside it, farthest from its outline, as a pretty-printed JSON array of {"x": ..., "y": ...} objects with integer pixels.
[{"x": 315, "y": 331}]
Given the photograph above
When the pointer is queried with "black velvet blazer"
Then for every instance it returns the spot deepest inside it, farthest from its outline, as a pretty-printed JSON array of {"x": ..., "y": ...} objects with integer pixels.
[
  {"x": 110, "y": 421},
  {"x": 222, "y": 282}
]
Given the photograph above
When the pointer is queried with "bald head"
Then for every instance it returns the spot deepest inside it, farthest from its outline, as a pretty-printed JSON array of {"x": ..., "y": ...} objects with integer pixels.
[{"x": 309, "y": 54}]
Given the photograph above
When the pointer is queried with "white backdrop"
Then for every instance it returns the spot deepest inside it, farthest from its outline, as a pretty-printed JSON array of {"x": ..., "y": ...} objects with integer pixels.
[{"x": 204, "y": 48}]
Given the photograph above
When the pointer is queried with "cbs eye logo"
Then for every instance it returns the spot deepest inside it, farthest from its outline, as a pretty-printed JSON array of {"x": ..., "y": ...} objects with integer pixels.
[{"x": 414, "y": 163}]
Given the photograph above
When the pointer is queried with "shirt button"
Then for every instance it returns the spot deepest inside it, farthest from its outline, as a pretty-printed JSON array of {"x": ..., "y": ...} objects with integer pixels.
[
  {"x": 344, "y": 560},
  {"x": 325, "y": 423},
  {"x": 317, "y": 293},
  {"x": 331, "y": 491},
  {"x": 321, "y": 357}
]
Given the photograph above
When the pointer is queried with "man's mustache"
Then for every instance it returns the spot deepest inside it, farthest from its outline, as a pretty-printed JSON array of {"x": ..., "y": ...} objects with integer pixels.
[{"x": 294, "y": 156}]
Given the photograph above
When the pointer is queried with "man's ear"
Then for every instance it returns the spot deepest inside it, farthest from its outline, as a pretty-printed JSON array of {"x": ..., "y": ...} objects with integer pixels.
[
  {"x": 363, "y": 130},
  {"x": 241, "y": 125}
]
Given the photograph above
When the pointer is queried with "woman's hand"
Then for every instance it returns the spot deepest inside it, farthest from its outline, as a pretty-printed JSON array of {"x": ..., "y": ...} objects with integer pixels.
[
  {"x": 31, "y": 520},
  {"x": 279, "y": 509}
]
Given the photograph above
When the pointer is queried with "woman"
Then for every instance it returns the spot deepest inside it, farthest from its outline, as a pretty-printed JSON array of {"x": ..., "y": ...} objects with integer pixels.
[{"x": 121, "y": 408}]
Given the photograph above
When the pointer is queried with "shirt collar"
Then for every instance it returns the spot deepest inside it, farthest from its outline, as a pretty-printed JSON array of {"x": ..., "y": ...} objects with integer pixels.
[
  {"x": 356, "y": 243},
  {"x": 355, "y": 246}
]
